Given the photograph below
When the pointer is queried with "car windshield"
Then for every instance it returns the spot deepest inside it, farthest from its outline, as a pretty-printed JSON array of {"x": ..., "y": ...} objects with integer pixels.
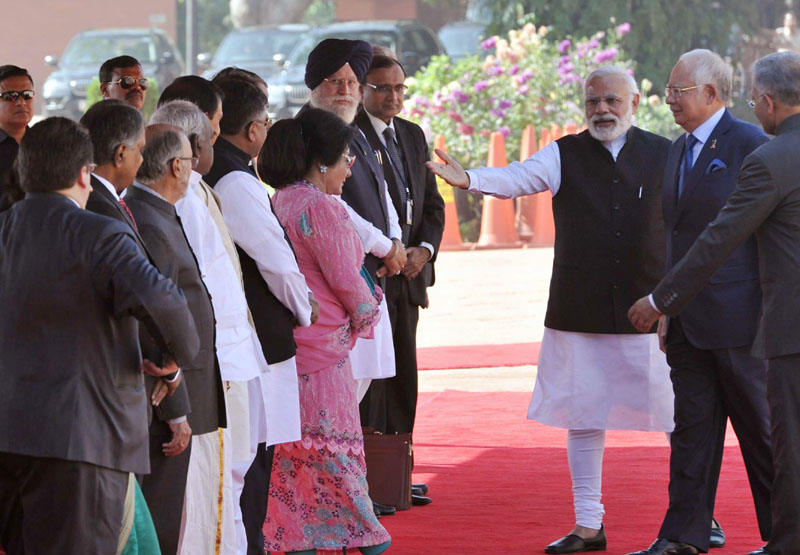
[
  {"x": 95, "y": 49},
  {"x": 462, "y": 41},
  {"x": 382, "y": 38},
  {"x": 255, "y": 46}
]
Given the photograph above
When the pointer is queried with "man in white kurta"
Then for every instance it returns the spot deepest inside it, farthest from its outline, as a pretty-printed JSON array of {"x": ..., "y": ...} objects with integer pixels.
[{"x": 595, "y": 373}]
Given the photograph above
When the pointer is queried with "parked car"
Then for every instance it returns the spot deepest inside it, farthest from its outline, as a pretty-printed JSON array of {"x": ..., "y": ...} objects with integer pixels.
[
  {"x": 413, "y": 42},
  {"x": 462, "y": 38},
  {"x": 64, "y": 91},
  {"x": 261, "y": 50}
]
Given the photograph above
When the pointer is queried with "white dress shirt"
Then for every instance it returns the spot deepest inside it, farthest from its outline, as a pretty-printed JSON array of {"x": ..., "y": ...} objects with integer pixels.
[
  {"x": 256, "y": 230},
  {"x": 238, "y": 349},
  {"x": 588, "y": 381},
  {"x": 108, "y": 185}
]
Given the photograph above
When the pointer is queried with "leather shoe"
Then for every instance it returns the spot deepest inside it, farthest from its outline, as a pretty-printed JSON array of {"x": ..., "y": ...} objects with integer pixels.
[
  {"x": 663, "y": 546},
  {"x": 760, "y": 551},
  {"x": 576, "y": 544},
  {"x": 419, "y": 500},
  {"x": 422, "y": 487},
  {"x": 382, "y": 510},
  {"x": 418, "y": 491},
  {"x": 717, "y": 535}
]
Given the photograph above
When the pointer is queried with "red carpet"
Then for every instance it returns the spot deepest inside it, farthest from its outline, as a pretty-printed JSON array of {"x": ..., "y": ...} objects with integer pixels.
[
  {"x": 478, "y": 356},
  {"x": 500, "y": 483}
]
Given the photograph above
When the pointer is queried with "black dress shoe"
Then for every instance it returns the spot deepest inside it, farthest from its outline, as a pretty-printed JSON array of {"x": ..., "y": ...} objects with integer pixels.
[
  {"x": 717, "y": 535},
  {"x": 663, "y": 546},
  {"x": 760, "y": 551},
  {"x": 422, "y": 487},
  {"x": 382, "y": 510},
  {"x": 576, "y": 544},
  {"x": 419, "y": 500},
  {"x": 417, "y": 491}
]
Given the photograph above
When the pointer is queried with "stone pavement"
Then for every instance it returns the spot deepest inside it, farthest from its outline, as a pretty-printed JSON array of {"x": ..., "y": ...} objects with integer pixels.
[{"x": 485, "y": 297}]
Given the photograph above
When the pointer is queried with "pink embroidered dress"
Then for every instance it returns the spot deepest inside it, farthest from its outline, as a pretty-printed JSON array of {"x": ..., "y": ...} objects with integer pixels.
[{"x": 318, "y": 488}]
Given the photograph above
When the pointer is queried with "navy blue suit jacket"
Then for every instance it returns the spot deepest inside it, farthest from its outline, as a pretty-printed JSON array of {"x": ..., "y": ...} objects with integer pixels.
[{"x": 726, "y": 311}]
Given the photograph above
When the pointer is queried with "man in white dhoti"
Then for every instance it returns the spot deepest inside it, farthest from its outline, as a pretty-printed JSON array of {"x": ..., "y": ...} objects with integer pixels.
[{"x": 595, "y": 372}]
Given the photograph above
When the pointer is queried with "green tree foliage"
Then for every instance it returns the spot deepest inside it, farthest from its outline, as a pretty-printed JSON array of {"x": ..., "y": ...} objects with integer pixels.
[
  {"x": 661, "y": 31},
  {"x": 213, "y": 23}
]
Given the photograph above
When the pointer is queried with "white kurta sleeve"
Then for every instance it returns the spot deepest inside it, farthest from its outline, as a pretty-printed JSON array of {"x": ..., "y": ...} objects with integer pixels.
[
  {"x": 373, "y": 240},
  {"x": 256, "y": 230},
  {"x": 540, "y": 172}
]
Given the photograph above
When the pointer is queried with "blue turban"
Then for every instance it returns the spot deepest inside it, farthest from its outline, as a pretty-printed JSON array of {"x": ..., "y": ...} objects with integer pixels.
[{"x": 331, "y": 54}]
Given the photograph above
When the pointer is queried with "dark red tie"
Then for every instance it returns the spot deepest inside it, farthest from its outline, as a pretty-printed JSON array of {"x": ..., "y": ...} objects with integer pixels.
[{"x": 128, "y": 210}]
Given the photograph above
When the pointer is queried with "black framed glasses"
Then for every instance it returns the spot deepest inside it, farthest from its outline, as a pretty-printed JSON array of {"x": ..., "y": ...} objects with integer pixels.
[
  {"x": 387, "y": 89},
  {"x": 129, "y": 82},
  {"x": 12, "y": 96},
  {"x": 194, "y": 160},
  {"x": 677, "y": 92}
]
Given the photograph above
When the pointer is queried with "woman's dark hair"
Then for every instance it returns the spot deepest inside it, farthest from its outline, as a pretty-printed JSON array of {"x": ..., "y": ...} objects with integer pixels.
[{"x": 293, "y": 145}]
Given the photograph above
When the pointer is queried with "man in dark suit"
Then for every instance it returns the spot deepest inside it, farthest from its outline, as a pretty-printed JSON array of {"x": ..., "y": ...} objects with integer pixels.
[
  {"x": 72, "y": 405},
  {"x": 714, "y": 376},
  {"x": 163, "y": 179},
  {"x": 766, "y": 201},
  {"x": 390, "y": 404}
]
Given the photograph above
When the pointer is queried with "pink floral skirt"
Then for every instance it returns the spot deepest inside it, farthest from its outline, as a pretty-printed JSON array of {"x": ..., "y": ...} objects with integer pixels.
[{"x": 318, "y": 495}]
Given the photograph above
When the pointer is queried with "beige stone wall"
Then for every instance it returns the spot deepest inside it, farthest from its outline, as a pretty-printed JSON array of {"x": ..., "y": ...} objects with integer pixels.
[{"x": 34, "y": 29}]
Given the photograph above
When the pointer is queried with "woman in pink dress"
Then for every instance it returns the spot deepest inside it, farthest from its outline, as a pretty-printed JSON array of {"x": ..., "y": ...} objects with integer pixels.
[{"x": 318, "y": 496}]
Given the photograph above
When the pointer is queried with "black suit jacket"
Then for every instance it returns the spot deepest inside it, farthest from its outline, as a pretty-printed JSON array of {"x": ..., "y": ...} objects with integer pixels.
[
  {"x": 161, "y": 229},
  {"x": 69, "y": 354},
  {"x": 101, "y": 201},
  {"x": 725, "y": 312},
  {"x": 766, "y": 202},
  {"x": 428, "y": 212}
]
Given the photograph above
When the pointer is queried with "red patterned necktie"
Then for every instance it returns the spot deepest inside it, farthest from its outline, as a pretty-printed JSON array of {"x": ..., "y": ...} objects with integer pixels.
[{"x": 128, "y": 210}]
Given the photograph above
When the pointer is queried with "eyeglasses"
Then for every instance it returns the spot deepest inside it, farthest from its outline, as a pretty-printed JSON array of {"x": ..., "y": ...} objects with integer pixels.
[
  {"x": 349, "y": 159},
  {"x": 752, "y": 102},
  {"x": 337, "y": 83},
  {"x": 128, "y": 82},
  {"x": 194, "y": 160},
  {"x": 388, "y": 89},
  {"x": 611, "y": 101},
  {"x": 12, "y": 96},
  {"x": 677, "y": 92},
  {"x": 90, "y": 167},
  {"x": 266, "y": 123}
]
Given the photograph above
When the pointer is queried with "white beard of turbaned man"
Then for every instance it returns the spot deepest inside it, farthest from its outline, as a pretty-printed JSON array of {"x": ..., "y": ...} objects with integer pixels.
[{"x": 344, "y": 106}]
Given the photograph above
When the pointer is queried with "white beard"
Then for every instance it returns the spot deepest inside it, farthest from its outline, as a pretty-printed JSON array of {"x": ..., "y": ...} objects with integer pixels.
[
  {"x": 330, "y": 103},
  {"x": 621, "y": 126}
]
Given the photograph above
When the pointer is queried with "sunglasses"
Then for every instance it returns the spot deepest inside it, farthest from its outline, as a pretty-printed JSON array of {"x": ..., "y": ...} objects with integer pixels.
[
  {"x": 128, "y": 82},
  {"x": 12, "y": 96}
]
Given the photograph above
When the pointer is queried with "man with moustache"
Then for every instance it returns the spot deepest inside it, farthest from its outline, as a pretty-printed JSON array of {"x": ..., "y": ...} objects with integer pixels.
[
  {"x": 16, "y": 112},
  {"x": 390, "y": 404},
  {"x": 121, "y": 78},
  {"x": 595, "y": 373},
  {"x": 714, "y": 376}
]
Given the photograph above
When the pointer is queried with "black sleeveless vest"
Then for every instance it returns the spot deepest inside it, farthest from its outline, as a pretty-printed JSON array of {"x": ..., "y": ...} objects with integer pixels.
[{"x": 610, "y": 243}]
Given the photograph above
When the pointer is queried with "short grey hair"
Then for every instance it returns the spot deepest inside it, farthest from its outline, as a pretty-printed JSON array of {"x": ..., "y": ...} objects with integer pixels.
[
  {"x": 778, "y": 75},
  {"x": 161, "y": 149},
  {"x": 708, "y": 68},
  {"x": 608, "y": 71},
  {"x": 186, "y": 116}
]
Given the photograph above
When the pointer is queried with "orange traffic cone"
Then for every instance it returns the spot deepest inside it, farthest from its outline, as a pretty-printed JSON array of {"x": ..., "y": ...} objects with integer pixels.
[
  {"x": 544, "y": 138},
  {"x": 451, "y": 238},
  {"x": 526, "y": 206},
  {"x": 497, "y": 220},
  {"x": 544, "y": 229},
  {"x": 555, "y": 131},
  {"x": 571, "y": 129}
]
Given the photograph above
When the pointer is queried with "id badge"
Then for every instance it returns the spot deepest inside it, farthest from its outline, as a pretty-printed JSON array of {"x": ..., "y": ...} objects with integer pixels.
[{"x": 409, "y": 212}]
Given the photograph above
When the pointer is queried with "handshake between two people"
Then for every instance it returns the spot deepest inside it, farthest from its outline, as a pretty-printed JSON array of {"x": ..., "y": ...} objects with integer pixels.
[{"x": 400, "y": 260}]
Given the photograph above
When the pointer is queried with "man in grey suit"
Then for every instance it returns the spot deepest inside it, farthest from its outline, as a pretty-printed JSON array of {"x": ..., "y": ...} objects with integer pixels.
[
  {"x": 72, "y": 407},
  {"x": 163, "y": 179},
  {"x": 766, "y": 202}
]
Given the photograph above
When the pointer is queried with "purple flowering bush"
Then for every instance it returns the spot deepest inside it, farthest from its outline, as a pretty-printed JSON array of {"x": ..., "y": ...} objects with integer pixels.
[{"x": 531, "y": 78}]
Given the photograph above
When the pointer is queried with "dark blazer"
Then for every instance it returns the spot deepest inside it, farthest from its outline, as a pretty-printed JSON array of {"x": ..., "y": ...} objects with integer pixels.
[
  {"x": 725, "y": 312},
  {"x": 69, "y": 356},
  {"x": 101, "y": 201},
  {"x": 428, "y": 213},
  {"x": 766, "y": 201},
  {"x": 161, "y": 229}
]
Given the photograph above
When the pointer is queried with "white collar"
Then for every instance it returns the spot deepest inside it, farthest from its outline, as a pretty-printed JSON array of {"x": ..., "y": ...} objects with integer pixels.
[
  {"x": 704, "y": 130},
  {"x": 108, "y": 185},
  {"x": 615, "y": 146},
  {"x": 194, "y": 179},
  {"x": 380, "y": 126},
  {"x": 153, "y": 192}
]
